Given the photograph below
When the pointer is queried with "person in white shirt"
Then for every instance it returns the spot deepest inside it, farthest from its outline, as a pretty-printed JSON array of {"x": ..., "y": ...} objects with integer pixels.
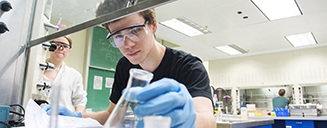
[{"x": 70, "y": 81}]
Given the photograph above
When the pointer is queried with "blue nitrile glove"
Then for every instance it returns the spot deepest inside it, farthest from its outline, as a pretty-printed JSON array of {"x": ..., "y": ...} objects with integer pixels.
[
  {"x": 62, "y": 111},
  {"x": 166, "y": 97}
]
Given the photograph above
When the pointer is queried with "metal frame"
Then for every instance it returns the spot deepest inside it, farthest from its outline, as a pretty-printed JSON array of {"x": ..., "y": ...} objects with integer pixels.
[{"x": 101, "y": 20}]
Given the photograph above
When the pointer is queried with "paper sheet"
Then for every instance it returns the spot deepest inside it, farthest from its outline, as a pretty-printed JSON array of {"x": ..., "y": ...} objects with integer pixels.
[
  {"x": 36, "y": 117},
  {"x": 97, "y": 83},
  {"x": 109, "y": 82}
]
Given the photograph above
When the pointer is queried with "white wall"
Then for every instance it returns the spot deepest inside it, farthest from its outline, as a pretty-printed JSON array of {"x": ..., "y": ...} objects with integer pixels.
[{"x": 285, "y": 68}]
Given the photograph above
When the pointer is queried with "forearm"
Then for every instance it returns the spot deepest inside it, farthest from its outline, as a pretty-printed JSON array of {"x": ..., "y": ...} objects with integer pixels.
[
  {"x": 101, "y": 116},
  {"x": 80, "y": 109},
  {"x": 204, "y": 113},
  {"x": 205, "y": 120}
]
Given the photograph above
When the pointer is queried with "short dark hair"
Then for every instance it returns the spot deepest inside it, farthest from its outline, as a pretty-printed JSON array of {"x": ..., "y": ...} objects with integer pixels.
[
  {"x": 109, "y": 6},
  {"x": 281, "y": 92}
]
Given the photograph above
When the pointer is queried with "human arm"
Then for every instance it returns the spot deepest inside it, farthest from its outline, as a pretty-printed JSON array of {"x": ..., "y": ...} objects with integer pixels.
[
  {"x": 204, "y": 112},
  {"x": 167, "y": 97},
  {"x": 78, "y": 98},
  {"x": 80, "y": 109},
  {"x": 101, "y": 116}
]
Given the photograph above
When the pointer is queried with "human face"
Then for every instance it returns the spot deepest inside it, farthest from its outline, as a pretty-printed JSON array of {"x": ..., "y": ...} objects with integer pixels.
[
  {"x": 63, "y": 49},
  {"x": 136, "y": 51},
  {"x": 135, "y": 33}
]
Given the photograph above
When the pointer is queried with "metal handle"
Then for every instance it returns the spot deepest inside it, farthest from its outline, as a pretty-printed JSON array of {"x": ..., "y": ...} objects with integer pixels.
[
  {"x": 46, "y": 66},
  {"x": 43, "y": 86}
]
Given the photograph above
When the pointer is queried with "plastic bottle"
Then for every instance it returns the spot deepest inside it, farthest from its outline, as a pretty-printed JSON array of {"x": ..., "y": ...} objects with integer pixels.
[
  {"x": 219, "y": 115},
  {"x": 244, "y": 113}
]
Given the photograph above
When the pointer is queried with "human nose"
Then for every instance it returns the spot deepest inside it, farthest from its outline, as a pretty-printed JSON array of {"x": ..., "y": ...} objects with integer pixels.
[
  {"x": 60, "y": 47},
  {"x": 128, "y": 42}
]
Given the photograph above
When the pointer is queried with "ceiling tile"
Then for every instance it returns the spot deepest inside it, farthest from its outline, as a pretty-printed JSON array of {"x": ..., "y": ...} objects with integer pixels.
[
  {"x": 317, "y": 20},
  {"x": 262, "y": 30},
  {"x": 164, "y": 13},
  {"x": 211, "y": 19},
  {"x": 217, "y": 3},
  {"x": 236, "y": 35},
  {"x": 275, "y": 43},
  {"x": 185, "y": 7},
  {"x": 292, "y": 25},
  {"x": 309, "y": 6},
  {"x": 230, "y": 11},
  {"x": 212, "y": 39},
  {"x": 320, "y": 36}
]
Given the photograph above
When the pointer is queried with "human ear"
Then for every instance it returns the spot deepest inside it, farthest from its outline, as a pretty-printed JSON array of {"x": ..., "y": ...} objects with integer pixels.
[{"x": 154, "y": 27}]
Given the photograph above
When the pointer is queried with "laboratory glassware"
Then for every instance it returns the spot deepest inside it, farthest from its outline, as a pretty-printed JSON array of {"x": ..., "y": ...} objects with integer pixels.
[
  {"x": 54, "y": 106},
  {"x": 138, "y": 79},
  {"x": 157, "y": 122}
]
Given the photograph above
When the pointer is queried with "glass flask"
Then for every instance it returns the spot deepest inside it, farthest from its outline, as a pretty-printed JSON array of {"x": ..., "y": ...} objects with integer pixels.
[{"x": 138, "y": 79}]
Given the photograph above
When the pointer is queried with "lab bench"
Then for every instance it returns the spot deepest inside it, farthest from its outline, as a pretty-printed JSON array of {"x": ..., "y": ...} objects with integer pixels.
[
  {"x": 250, "y": 123},
  {"x": 285, "y": 122}
]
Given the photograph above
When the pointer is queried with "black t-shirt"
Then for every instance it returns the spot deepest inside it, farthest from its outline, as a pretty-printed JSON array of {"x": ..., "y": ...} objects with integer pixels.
[{"x": 178, "y": 65}]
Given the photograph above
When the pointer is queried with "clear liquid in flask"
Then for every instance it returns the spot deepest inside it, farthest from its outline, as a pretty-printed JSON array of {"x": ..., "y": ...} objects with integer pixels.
[{"x": 138, "y": 79}]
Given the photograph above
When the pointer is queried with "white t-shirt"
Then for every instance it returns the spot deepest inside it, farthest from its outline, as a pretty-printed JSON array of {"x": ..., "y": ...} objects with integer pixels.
[{"x": 71, "y": 88}]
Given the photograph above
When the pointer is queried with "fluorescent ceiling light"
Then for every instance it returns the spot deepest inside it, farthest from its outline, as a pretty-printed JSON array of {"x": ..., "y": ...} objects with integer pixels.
[
  {"x": 185, "y": 26},
  {"x": 301, "y": 39},
  {"x": 231, "y": 49},
  {"x": 278, "y": 9}
]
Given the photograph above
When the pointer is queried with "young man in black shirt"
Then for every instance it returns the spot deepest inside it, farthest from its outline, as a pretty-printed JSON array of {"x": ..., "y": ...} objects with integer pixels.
[{"x": 179, "y": 78}]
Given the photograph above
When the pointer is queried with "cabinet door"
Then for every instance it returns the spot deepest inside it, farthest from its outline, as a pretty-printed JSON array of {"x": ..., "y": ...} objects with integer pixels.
[
  {"x": 264, "y": 126},
  {"x": 299, "y": 124}
]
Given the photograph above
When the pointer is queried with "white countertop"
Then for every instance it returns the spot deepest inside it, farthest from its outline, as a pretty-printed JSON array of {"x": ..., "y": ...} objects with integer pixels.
[{"x": 280, "y": 118}]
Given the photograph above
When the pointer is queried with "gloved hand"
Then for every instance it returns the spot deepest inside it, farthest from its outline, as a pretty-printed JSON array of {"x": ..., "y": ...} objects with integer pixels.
[
  {"x": 62, "y": 111},
  {"x": 166, "y": 97}
]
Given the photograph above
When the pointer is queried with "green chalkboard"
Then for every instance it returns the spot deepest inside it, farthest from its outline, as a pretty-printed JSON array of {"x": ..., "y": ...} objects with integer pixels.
[
  {"x": 98, "y": 100},
  {"x": 103, "y": 61},
  {"x": 102, "y": 53}
]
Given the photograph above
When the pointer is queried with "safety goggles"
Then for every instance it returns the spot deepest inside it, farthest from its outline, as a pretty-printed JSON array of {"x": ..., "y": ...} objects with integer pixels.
[
  {"x": 61, "y": 45},
  {"x": 135, "y": 33}
]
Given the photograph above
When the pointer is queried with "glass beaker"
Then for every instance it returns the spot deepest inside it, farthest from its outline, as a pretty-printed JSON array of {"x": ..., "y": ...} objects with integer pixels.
[
  {"x": 138, "y": 78},
  {"x": 157, "y": 122}
]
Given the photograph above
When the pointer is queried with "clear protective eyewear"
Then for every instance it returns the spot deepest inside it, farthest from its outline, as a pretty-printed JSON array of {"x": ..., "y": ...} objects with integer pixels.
[
  {"x": 61, "y": 45},
  {"x": 135, "y": 33}
]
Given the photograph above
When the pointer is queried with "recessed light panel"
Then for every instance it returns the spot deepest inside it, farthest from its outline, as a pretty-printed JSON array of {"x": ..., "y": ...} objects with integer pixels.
[
  {"x": 301, "y": 39},
  {"x": 185, "y": 26},
  {"x": 278, "y": 9},
  {"x": 231, "y": 49}
]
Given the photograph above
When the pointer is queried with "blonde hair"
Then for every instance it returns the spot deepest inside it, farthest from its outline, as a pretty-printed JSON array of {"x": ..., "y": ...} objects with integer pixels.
[
  {"x": 68, "y": 38},
  {"x": 70, "y": 41}
]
